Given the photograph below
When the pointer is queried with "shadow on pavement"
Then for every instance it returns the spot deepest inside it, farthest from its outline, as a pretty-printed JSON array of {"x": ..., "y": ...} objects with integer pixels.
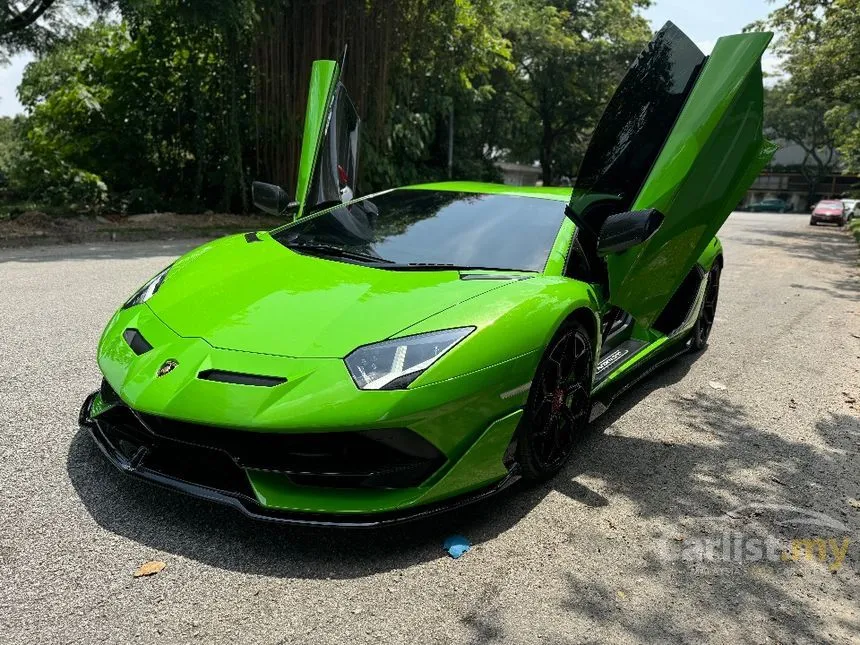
[{"x": 672, "y": 482}]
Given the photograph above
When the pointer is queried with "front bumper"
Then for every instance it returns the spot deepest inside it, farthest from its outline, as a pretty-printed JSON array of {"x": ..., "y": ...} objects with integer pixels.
[{"x": 215, "y": 475}]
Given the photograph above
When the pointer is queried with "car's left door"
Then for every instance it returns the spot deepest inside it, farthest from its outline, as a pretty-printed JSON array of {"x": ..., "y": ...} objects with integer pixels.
[{"x": 328, "y": 166}]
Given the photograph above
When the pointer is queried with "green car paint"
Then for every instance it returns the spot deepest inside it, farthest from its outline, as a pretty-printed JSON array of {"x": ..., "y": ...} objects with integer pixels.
[
  {"x": 256, "y": 307},
  {"x": 324, "y": 78},
  {"x": 714, "y": 152}
]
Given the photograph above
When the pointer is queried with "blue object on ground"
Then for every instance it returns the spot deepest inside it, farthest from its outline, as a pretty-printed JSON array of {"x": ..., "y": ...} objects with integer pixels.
[{"x": 456, "y": 545}]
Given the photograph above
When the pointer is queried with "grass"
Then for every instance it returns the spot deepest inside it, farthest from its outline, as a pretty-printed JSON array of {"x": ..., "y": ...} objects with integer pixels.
[{"x": 854, "y": 226}]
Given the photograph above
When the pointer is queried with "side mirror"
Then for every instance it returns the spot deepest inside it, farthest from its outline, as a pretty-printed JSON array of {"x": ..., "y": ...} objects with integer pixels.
[
  {"x": 271, "y": 199},
  {"x": 624, "y": 230}
]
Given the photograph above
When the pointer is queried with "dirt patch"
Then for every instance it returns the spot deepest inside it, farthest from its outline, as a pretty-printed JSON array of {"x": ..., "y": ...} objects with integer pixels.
[{"x": 35, "y": 228}]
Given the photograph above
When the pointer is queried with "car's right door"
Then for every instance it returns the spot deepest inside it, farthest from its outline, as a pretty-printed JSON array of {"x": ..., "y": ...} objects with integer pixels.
[{"x": 709, "y": 148}]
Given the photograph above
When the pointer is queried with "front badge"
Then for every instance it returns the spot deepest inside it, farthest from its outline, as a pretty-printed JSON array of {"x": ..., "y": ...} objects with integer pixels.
[{"x": 167, "y": 367}]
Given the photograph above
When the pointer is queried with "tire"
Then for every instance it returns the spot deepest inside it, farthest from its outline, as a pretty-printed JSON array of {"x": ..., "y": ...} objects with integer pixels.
[
  {"x": 812, "y": 222},
  {"x": 559, "y": 404},
  {"x": 705, "y": 321}
]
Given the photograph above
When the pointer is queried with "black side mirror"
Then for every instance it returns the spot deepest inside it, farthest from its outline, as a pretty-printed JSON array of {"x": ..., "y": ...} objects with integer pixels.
[
  {"x": 624, "y": 230},
  {"x": 271, "y": 199}
]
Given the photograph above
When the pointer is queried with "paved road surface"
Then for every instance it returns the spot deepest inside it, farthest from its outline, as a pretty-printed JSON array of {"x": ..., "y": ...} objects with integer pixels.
[{"x": 593, "y": 557}]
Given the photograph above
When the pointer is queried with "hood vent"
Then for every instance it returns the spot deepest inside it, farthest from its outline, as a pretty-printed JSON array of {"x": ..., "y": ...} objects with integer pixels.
[
  {"x": 494, "y": 276},
  {"x": 136, "y": 341},
  {"x": 239, "y": 378}
]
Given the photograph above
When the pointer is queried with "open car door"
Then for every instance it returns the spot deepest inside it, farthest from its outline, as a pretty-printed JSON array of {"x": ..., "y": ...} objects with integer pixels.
[
  {"x": 328, "y": 166},
  {"x": 683, "y": 135}
]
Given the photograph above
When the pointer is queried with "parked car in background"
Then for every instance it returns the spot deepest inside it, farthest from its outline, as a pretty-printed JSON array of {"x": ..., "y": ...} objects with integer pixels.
[
  {"x": 770, "y": 205},
  {"x": 828, "y": 210},
  {"x": 852, "y": 208}
]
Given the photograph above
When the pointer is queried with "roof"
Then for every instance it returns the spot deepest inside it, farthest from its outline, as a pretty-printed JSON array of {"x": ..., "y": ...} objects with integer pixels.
[{"x": 554, "y": 193}]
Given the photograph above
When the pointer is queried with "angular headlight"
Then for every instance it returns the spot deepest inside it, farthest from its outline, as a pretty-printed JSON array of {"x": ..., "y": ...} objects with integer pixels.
[
  {"x": 394, "y": 364},
  {"x": 147, "y": 291}
]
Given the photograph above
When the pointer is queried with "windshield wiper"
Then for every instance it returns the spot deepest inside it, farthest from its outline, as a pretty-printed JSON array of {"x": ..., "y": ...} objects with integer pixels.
[{"x": 336, "y": 251}]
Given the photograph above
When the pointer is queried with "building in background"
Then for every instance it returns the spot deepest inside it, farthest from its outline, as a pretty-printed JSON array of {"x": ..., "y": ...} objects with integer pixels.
[
  {"x": 784, "y": 180},
  {"x": 516, "y": 174}
]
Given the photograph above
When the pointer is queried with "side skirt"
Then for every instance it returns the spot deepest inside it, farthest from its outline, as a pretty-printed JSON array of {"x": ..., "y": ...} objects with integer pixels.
[{"x": 604, "y": 398}]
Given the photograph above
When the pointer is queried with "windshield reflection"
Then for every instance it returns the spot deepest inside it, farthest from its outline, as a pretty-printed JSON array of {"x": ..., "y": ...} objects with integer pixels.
[{"x": 437, "y": 229}]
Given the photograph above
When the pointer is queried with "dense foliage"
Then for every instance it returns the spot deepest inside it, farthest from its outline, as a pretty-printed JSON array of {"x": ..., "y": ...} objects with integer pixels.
[
  {"x": 821, "y": 45},
  {"x": 801, "y": 121},
  {"x": 170, "y": 104}
]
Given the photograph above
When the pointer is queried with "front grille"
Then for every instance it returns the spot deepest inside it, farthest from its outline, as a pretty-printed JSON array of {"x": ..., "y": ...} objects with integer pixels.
[{"x": 382, "y": 458}]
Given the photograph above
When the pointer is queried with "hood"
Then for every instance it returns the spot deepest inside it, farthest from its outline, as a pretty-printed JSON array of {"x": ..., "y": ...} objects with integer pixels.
[
  {"x": 828, "y": 209},
  {"x": 263, "y": 297}
]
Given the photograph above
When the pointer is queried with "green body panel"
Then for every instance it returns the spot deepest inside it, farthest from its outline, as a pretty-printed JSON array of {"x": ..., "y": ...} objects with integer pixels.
[
  {"x": 263, "y": 309},
  {"x": 711, "y": 157},
  {"x": 324, "y": 77},
  {"x": 480, "y": 466},
  {"x": 269, "y": 299},
  {"x": 225, "y": 301}
]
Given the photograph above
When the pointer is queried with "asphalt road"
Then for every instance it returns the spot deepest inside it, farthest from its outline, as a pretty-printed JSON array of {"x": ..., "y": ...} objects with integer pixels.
[{"x": 600, "y": 555}]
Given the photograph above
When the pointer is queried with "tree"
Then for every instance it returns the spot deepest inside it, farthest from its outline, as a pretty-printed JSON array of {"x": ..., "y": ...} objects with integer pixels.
[
  {"x": 569, "y": 56},
  {"x": 822, "y": 50},
  {"x": 182, "y": 104},
  {"x": 801, "y": 120},
  {"x": 14, "y": 18},
  {"x": 36, "y": 25},
  {"x": 10, "y": 146}
]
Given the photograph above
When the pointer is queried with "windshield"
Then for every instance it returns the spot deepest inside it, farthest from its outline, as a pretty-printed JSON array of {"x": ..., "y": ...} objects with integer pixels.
[{"x": 429, "y": 229}]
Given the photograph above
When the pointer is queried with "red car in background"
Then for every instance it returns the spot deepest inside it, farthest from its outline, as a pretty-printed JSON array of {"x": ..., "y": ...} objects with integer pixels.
[{"x": 828, "y": 210}]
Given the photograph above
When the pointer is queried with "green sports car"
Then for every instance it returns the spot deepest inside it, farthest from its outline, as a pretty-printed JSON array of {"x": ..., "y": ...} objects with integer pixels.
[{"x": 383, "y": 357}]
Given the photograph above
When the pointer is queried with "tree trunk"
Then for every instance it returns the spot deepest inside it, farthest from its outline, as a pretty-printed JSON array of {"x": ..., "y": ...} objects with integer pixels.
[{"x": 546, "y": 154}]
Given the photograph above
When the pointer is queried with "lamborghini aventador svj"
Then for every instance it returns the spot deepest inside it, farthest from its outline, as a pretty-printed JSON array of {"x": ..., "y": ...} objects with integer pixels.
[{"x": 382, "y": 357}]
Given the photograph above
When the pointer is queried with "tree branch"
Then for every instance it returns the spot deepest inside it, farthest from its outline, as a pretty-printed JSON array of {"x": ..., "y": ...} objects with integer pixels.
[{"x": 14, "y": 20}]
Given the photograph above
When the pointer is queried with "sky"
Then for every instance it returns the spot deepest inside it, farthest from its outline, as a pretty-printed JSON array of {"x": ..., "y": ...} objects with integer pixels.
[{"x": 702, "y": 20}]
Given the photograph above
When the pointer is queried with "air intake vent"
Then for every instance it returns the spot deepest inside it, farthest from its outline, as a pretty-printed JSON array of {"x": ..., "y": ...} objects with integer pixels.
[
  {"x": 239, "y": 378},
  {"x": 136, "y": 341}
]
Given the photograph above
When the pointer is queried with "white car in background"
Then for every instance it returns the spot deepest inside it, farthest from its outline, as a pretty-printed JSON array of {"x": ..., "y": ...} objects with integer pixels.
[{"x": 852, "y": 208}]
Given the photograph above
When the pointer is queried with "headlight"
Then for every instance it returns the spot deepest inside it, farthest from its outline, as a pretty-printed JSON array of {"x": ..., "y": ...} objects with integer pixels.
[
  {"x": 147, "y": 291},
  {"x": 394, "y": 364}
]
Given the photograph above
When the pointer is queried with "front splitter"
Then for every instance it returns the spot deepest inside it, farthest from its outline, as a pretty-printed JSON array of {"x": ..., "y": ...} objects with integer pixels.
[{"x": 252, "y": 508}]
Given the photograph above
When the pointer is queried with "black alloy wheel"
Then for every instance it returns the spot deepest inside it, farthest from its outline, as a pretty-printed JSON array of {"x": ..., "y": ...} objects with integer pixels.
[
  {"x": 559, "y": 404},
  {"x": 705, "y": 321}
]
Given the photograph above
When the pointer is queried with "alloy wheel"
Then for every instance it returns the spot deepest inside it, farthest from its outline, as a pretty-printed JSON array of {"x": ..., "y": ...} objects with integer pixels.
[{"x": 561, "y": 404}]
